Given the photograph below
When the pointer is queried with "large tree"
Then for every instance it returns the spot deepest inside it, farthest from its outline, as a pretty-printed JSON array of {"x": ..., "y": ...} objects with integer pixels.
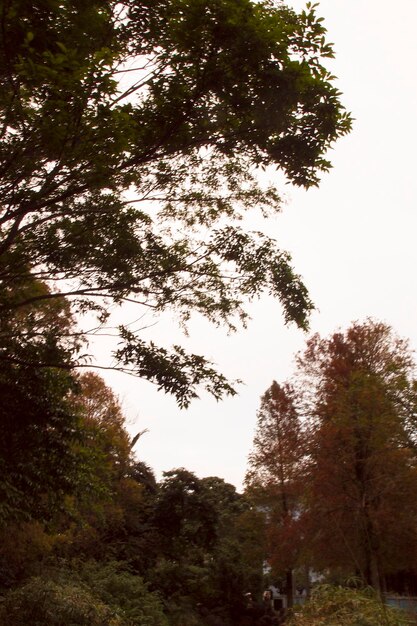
[
  {"x": 275, "y": 477},
  {"x": 363, "y": 478},
  {"x": 208, "y": 545},
  {"x": 39, "y": 425},
  {"x": 132, "y": 133}
]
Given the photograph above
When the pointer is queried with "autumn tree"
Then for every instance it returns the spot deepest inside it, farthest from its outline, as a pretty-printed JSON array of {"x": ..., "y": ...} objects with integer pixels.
[
  {"x": 130, "y": 131},
  {"x": 275, "y": 476},
  {"x": 103, "y": 418},
  {"x": 111, "y": 497},
  {"x": 358, "y": 393}
]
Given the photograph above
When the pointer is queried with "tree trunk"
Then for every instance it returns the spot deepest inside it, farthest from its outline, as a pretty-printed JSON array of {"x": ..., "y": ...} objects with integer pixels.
[
  {"x": 289, "y": 580},
  {"x": 373, "y": 577},
  {"x": 374, "y": 571}
]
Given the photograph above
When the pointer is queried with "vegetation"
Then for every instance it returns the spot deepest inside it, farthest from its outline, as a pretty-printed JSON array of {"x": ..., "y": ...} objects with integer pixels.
[
  {"x": 119, "y": 548},
  {"x": 133, "y": 134},
  {"x": 96, "y": 596},
  {"x": 275, "y": 477},
  {"x": 131, "y": 147},
  {"x": 337, "y": 606},
  {"x": 129, "y": 131},
  {"x": 334, "y": 459},
  {"x": 122, "y": 549}
]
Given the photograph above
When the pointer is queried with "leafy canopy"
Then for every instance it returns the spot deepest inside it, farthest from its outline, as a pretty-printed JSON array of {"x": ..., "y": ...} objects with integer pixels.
[{"x": 131, "y": 135}]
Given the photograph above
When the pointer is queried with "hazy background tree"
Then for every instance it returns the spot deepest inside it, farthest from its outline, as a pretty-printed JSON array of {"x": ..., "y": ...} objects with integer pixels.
[
  {"x": 333, "y": 466},
  {"x": 362, "y": 493},
  {"x": 275, "y": 479}
]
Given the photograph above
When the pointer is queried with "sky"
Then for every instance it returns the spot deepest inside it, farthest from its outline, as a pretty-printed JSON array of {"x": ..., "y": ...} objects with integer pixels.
[{"x": 352, "y": 240}]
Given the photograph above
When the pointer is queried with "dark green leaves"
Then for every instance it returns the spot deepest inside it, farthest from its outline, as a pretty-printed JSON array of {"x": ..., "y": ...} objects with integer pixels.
[
  {"x": 132, "y": 132},
  {"x": 175, "y": 372}
]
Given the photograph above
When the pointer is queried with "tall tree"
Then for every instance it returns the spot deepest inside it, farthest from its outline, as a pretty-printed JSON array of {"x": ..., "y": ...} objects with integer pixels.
[
  {"x": 364, "y": 470},
  {"x": 38, "y": 423},
  {"x": 274, "y": 477},
  {"x": 130, "y": 130},
  {"x": 110, "y": 500},
  {"x": 103, "y": 418},
  {"x": 208, "y": 541}
]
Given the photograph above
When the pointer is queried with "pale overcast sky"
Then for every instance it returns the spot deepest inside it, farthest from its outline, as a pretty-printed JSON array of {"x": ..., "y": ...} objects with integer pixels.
[{"x": 352, "y": 240}]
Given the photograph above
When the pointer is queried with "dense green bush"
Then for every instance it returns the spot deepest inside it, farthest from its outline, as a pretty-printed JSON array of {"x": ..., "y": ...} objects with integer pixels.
[
  {"x": 44, "y": 602},
  {"x": 88, "y": 595},
  {"x": 339, "y": 606},
  {"x": 125, "y": 591}
]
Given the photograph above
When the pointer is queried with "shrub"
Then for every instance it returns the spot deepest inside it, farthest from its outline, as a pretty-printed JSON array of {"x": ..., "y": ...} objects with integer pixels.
[
  {"x": 339, "y": 606},
  {"x": 126, "y": 591},
  {"x": 91, "y": 594},
  {"x": 48, "y": 603}
]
